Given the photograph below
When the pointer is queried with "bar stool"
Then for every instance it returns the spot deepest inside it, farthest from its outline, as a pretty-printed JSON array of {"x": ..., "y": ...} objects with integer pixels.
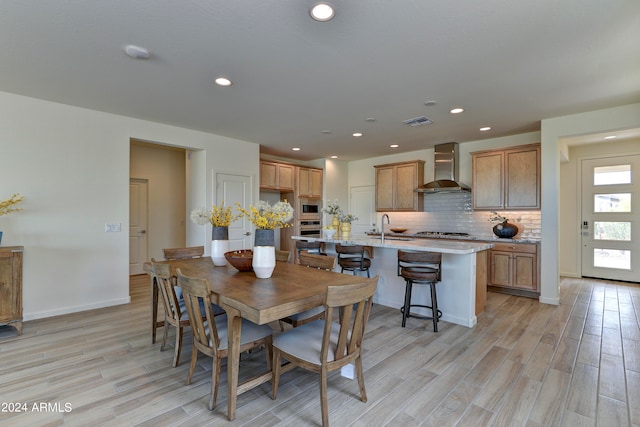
[
  {"x": 310, "y": 247},
  {"x": 421, "y": 268},
  {"x": 351, "y": 258}
]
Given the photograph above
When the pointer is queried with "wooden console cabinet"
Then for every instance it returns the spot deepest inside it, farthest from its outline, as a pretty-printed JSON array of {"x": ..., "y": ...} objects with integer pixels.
[{"x": 11, "y": 286}]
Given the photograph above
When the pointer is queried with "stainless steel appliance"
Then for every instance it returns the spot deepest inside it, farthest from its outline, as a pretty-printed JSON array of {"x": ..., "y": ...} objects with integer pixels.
[
  {"x": 445, "y": 171},
  {"x": 309, "y": 209},
  {"x": 310, "y": 228}
]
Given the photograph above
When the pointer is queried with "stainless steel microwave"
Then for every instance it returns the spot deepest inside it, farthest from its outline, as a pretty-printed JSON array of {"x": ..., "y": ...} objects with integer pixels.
[{"x": 310, "y": 208}]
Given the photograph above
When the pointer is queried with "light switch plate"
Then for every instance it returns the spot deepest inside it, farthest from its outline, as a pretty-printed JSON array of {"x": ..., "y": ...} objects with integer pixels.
[{"x": 112, "y": 228}]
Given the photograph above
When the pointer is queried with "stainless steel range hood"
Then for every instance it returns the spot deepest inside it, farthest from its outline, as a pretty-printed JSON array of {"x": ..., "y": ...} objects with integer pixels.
[{"x": 445, "y": 171}]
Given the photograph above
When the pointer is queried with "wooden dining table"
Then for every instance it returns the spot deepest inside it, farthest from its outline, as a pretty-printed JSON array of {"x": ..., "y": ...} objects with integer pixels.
[{"x": 291, "y": 289}]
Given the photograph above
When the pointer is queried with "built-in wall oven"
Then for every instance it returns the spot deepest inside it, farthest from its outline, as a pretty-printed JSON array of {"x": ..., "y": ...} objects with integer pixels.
[
  {"x": 310, "y": 228},
  {"x": 309, "y": 209}
]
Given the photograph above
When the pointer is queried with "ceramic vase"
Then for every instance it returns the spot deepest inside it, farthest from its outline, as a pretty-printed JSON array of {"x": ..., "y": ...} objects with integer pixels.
[
  {"x": 330, "y": 232},
  {"x": 264, "y": 253},
  {"x": 219, "y": 245},
  {"x": 505, "y": 230},
  {"x": 335, "y": 223},
  {"x": 345, "y": 229}
]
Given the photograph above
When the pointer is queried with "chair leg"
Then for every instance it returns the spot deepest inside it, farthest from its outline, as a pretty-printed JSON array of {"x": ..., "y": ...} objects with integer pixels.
[
  {"x": 407, "y": 302},
  {"x": 269, "y": 348},
  {"x": 178, "y": 349},
  {"x": 360, "y": 374},
  {"x": 434, "y": 306},
  {"x": 275, "y": 373},
  {"x": 192, "y": 366},
  {"x": 215, "y": 381},
  {"x": 165, "y": 334},
  {"x": 324, "y": 404}
]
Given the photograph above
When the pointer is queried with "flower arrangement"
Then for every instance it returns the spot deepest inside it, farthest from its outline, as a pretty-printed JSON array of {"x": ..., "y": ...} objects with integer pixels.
[
  {"x": 218, "y": 216},
  {"x": 8, "y": 206},
  {"x": 333, "y": 208},
  {"x": 267, "y": 217},
  {"x": 347, "y": 218},
  {"x": 496, "y": 217}
]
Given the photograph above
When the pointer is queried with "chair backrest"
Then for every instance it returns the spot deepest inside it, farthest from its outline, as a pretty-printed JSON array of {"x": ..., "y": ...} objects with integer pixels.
[
  {"x": 310, "y": 247},
  {"x": 183, "y": 253},
  {"x": 354, "y": 305},
  {"x": 350, "y": 253},
  {"x": 325, "y": 262},
  {"x": 283, "y": 256},
  {"x": 170, "y": 299},
  {"x": 419, "y": 259},
  {"x": 196, "y": 293}
]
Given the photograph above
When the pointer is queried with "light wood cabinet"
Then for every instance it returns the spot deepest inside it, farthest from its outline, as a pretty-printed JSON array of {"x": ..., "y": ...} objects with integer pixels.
[
  {"x": 514, "y": 266},
  {"x": 276, "y": 176},
  {"x": 396, "y": 184},
  {"x": 11, "y": 286},
  {"x": 507, "y": 178},
  {"x": 309, "y": 182}
]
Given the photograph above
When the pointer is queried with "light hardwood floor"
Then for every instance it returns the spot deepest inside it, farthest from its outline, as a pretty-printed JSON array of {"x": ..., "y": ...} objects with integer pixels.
[{"x": 524, "y": 364}]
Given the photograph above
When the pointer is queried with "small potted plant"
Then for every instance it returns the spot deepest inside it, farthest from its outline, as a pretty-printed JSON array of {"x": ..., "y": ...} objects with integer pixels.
[
  {"x": 345, "y": 224},
  {"x": 220, "y": 217},
  {"x": 9, "y": 205},
  {"x": 503, "y": 229}
]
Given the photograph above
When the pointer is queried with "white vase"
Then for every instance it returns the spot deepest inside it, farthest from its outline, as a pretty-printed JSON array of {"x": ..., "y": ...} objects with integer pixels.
[
  {"x": 264, "y": 261},
  {"x": 218, "y": 249},
  {"x": 329, "y": 232}
]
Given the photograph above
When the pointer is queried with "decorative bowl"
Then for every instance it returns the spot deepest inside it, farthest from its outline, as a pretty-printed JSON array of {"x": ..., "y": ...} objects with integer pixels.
[
  {"x": 329, "y": 232},
  {"x": 240, "y": 259},
  {"x": 398, "y": 229}
]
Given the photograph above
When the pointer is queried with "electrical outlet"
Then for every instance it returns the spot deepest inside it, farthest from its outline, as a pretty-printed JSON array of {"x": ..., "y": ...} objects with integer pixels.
[{"x": 112, "y": 228}]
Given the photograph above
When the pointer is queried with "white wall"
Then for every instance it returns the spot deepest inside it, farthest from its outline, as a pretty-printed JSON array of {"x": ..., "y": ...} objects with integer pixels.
[
  {"x": 72, "y": 165},
  {"x": 570, "y": 188}
]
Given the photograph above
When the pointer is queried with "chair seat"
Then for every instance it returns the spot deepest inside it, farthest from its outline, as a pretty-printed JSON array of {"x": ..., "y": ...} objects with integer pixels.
[
  {"x": 306, "y": 314},
  {"x": 420, "y": 274},
  {"x": 305, "y": 342},
  {"x": 250, "y": 332},
  {"x": 355, "y": 263}
]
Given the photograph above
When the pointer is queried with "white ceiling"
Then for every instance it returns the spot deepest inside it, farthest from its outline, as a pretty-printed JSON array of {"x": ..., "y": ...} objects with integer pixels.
[{"x": 508, "y": 63}]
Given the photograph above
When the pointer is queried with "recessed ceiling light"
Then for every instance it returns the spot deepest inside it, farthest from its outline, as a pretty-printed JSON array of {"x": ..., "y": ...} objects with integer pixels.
[
  {"x": 136, "y": 52},
  {"x": 334, "y": 157},
  {"x": 610, "y": 137},
  {"x": 394, "y": 146},
  {"x": 486, "y": 128},
  {"x": 456, "y": 111},
  {"x": 326, "y": 132},
  {"x": 296, "y": 148},
  {"x": 430, "y": 103},
  {"x": 370, "y": 119},
  {"x": 357, "y": 134},
  {"x": 223, "y": 81},
  {"x": 322, "y": 12}
]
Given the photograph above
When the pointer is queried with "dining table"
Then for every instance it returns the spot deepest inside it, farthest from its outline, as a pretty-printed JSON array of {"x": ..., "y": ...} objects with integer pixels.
[{"x": 291, "y": 289}]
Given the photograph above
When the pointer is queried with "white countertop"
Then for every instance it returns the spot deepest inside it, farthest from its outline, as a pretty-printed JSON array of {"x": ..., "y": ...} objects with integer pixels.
[{"x": 433, "y": 245}]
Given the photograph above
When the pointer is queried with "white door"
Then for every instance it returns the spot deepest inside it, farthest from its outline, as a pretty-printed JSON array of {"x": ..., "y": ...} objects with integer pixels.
[
  {"x": 138, "y": 193},
  {"x": 611, "y": 218},
  {"x": 233, "y": 188},
  {"x": 362, "y": 205}
]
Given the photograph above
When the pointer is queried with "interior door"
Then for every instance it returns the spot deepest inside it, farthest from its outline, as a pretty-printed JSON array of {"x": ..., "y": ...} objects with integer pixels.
[
  {"x": 610, "y": 218},
  {"x": 236, "y": 188},
  {"x": 138, "y": 206},
  {"x": 362, "y": 205}
]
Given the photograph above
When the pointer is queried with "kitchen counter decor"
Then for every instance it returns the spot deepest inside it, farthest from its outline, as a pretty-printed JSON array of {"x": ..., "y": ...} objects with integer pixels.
[{"x": 503, "y": 229}]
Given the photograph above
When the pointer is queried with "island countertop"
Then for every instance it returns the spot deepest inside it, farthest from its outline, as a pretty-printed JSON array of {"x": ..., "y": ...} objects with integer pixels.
[{"x": 432, "y": 245}]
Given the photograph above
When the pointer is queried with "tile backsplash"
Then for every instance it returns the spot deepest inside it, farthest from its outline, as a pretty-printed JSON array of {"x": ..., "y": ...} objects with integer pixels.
[{"x": 452, "y": 212}]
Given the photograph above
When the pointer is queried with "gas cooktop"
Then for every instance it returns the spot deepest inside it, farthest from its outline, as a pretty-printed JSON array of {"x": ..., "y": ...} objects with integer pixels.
[{"x": 441, "y": 233}]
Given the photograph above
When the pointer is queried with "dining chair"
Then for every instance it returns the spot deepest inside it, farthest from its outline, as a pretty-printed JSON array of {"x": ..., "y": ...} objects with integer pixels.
[
  {"x": 323, "y": 262},
  {"x": 210, "y": 332},
  {"x": 324, "y": 346},
  {"x": 183, "y": 253},
  {"x": 174, "y": 309},
  {"x": 351, "y": 258}
]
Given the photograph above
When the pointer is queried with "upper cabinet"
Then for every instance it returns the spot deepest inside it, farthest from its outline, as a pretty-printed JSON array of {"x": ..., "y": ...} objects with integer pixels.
[
  {"x": 309, "y": 182},
  {"x": 507, "y": 178},
  {"x": 395, "y": 185},
  {"x": 276, "y": 176}
]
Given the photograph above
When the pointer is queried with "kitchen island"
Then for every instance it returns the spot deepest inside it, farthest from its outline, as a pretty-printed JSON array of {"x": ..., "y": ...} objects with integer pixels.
[{"x": 461, "y": 292}]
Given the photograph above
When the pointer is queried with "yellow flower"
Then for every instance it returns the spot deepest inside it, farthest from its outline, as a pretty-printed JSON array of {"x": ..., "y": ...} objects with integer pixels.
[
  {"x": 268, "y": 217},
  {"x": 8, "y": 206},
  {"x": 218, "y": 216}
]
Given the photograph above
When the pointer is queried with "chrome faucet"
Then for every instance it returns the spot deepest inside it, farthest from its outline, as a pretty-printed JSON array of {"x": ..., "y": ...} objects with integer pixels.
[{"x": 382, "y": 230}]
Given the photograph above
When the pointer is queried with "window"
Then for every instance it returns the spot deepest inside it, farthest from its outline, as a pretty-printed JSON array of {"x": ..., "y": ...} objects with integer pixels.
[{"x": 610, "y": 175}]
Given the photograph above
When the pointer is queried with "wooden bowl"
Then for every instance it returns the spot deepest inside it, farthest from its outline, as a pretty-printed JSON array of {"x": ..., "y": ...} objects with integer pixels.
[
  {"x": 241, "y": 259},
  {"x": 398, "y": 230}
]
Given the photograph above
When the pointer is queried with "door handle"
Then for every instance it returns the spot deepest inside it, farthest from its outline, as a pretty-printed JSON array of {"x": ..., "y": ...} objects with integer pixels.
[
  {"x": 143, "y": 231},
  {"x": 248, "y": 233}
]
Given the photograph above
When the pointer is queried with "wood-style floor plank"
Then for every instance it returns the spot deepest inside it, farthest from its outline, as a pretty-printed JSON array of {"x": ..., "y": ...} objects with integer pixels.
[{"x": 524, "y": 364}]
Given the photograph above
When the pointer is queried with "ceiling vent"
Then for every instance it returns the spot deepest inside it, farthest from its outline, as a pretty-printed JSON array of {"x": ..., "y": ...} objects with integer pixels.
[{"x": 417, "y": 121}]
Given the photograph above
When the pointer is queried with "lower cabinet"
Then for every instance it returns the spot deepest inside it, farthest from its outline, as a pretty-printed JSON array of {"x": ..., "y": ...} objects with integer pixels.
[
  {"x": 514, "y": 266},
  {"x": 11, "y": 286}
]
